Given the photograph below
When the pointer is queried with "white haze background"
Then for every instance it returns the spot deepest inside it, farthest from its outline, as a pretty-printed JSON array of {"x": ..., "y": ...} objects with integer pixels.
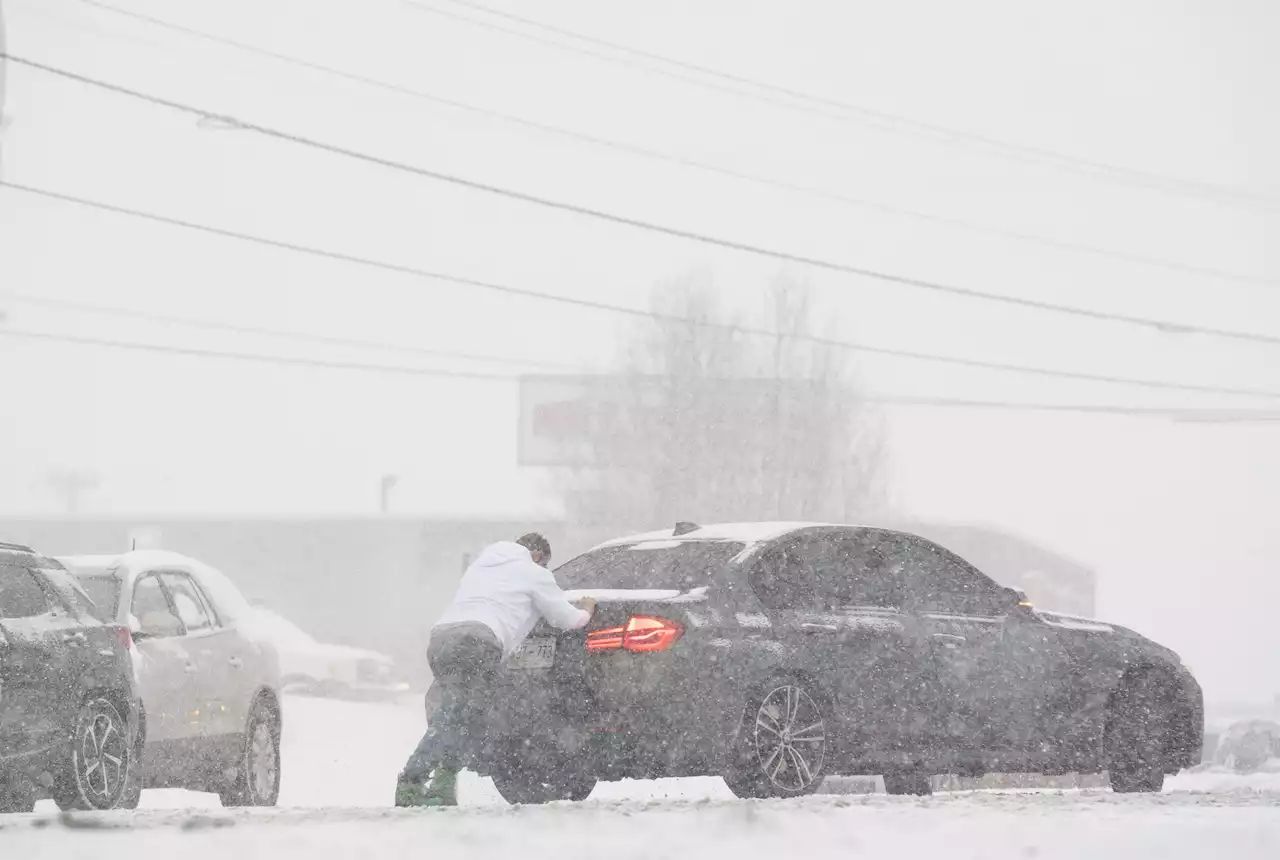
[{"x": 1179, "y": 519}]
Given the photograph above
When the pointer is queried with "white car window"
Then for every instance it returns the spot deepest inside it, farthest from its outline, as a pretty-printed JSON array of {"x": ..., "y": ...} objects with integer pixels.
[
  {"x": 151, "y": 608},
  {"x": 187, "y": 600}
]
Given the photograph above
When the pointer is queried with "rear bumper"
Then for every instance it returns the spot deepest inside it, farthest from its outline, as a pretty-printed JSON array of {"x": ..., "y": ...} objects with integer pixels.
[{"x": 622, "y": 716}]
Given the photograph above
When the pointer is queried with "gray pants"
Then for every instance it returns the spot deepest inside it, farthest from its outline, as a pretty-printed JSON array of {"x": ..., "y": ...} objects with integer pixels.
[{"x": 465, "y": 659}]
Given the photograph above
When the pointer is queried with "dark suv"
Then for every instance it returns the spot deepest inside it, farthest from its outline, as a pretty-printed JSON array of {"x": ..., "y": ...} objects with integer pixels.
[
  {"x": 777, "y": 654},
  {"x": 68, "y": 702}
]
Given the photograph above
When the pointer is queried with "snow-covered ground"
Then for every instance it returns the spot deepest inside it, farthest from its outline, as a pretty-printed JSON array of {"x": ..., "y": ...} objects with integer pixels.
[{"x": 341, "y": 760}]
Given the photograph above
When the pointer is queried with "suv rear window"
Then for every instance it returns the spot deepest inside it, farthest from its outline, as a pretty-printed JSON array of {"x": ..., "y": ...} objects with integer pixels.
[
  {"x": 20, "y": 593},
  {"x": 680, "y": 565}
]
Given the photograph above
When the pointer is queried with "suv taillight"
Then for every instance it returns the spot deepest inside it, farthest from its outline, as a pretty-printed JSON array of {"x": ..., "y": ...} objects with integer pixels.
[
  {"x": 123, "y": 636},
  {"x": 641, "y": 633}
]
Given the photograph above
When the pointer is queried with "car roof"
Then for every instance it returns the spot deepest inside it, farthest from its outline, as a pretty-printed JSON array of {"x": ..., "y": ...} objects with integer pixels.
[
  {"x": 24, "y": 555},
  {"x": 129, "y": 564},
  {"x": 750, "y": 534}
]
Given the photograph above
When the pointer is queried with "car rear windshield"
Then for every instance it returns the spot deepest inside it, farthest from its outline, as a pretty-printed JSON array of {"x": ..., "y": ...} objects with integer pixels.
[
  {"x": 680, "y": 565},
  {"x": 104, "y": 591}
]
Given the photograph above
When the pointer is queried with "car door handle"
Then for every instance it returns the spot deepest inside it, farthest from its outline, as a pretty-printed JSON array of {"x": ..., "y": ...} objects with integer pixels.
[
  {"x": 811, "y": 627},
  {"x": 948, "y": 640},
  {"x": 236, "y": 663},
  {"x": 76, "y": 639},
  {"x": 191, "y": 668}
]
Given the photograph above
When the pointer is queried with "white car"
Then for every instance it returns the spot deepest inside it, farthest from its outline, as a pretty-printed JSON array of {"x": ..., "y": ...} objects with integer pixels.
[
  {"x": 210, "y": 687},
  {"x": 323, "y": 668}
]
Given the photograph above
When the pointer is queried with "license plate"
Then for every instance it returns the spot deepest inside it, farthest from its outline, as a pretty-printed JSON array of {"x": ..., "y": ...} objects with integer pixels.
[{"x": 535, "y": 654}]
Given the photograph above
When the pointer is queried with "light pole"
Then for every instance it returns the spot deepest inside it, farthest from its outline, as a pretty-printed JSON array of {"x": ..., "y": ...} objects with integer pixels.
[
  {"x": 4, "y": 65},
  {"x": 388, "y": 481}
]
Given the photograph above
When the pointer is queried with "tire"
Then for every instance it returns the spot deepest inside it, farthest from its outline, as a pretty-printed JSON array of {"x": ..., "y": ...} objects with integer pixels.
[
  {"x": 16, "y": 795},
  {"x": 100, "y": 759},
  {"x": 257, "y": 767},
  {"x": 917, "y": 784},
  {"x": 133, "y": 788},
  {"x": 1138, "y": 722},
  {"x": 783, "y": 743},
  {"x": 525, "y": 788}
]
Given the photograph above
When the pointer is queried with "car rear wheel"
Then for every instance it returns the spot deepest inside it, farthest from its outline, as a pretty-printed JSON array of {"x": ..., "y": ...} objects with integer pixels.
[
  {"x": 917, "y": 784},
  {"x": 1137, "y": 728},
  {"x": 527, "y": 788},
  {"x": 16, "y": 794},
  {"x": 783, "y": 748},
  {"x": 257, "y": 779},
  {"x": 98, "y": 773}
]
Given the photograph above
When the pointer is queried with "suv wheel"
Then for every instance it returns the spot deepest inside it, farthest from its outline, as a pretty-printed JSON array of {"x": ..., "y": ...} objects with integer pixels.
[
  {"x": 98, "y": 773},
  {"x": 257, "y": 779},
  {"x": 783, "y": 748}
]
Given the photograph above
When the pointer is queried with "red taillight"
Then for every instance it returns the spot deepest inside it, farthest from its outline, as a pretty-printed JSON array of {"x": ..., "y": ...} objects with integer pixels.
[
  {"x": 123, "y": 636},
  {"x": 641, "y": 633}
]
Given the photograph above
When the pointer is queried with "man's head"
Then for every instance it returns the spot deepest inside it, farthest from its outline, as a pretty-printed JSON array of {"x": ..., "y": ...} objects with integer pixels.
[{"x": 539, "y": 548}]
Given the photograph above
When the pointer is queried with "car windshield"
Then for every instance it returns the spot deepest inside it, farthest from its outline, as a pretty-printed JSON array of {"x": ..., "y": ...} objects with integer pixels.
[{"x": 667, "y": 565}]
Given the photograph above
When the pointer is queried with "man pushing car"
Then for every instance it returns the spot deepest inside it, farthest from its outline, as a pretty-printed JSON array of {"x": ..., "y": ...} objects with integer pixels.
[{"x": 500, "y": 599}]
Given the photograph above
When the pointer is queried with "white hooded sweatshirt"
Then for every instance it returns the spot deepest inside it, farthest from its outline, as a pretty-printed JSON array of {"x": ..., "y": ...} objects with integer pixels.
[{"x": 507, "y": 592}]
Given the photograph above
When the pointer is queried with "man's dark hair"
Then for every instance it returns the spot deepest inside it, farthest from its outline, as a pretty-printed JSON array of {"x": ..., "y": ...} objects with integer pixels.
[{"x": 535, "y": 542}]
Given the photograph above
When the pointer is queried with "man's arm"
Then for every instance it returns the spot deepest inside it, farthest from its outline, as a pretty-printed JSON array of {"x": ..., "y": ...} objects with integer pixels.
[{"x": 554, "y": 606}]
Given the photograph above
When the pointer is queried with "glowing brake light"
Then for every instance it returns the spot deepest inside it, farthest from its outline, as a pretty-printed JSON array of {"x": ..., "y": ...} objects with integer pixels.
[{"x": 641, "y": 633}]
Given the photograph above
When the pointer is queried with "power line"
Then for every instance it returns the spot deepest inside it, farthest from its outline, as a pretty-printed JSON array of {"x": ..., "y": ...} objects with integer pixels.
[
  {"x": 648, "y": 226},
  {"x": 636, "y": 312},
  {"x": 233, "y": 328},
  {"x": 682, "y": 161},
  {"x": 260, "y": 358},
  {"x": 810, "y": 103},
  {"x": 1196, "y": 415}
]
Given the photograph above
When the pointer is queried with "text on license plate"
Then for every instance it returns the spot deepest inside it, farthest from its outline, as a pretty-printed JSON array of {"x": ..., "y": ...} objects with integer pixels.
[{"x": 535, "y": 654}]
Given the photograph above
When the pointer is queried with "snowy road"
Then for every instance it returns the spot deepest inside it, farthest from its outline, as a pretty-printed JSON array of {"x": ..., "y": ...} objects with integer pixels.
[{"x": 341, "y": 760}]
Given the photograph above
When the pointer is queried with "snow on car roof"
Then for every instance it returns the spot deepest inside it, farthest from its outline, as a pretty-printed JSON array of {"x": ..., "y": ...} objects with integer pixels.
[
  {"x": 748, "y": 533},
  {"x": 130, "y": 562},
  {"x": 126, "y": 566}
]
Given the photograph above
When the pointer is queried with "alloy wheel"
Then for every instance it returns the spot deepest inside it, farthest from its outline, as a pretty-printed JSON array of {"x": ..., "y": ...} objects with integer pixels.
[
  {"x": 790, "y": 739},
  {"x": 262, "y": 762},
  {"x": 101, "y": 755}
]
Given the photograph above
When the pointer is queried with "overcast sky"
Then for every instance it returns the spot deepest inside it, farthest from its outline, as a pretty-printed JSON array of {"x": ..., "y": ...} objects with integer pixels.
[{"x": 1179, "y": 518}]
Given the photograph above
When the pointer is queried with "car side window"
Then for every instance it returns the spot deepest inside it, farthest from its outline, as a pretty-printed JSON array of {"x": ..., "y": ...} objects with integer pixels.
[
  {"x": 824, "y": 573},
  {"x": 150, "y": 606},
  {"x": 782, "y": 581},
  {"x": 188, "y": 602},
  {"x": 21, "y": 595},
  {"x": 853, "y": 572},
  {"x": 941, "y": 582}
]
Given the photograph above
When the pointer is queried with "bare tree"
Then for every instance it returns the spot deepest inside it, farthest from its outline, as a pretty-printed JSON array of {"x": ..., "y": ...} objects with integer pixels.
[{"x": 710, "y": 423}]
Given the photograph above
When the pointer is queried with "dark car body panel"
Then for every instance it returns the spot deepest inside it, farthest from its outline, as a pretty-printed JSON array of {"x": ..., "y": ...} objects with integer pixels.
[
  {"x": 908, "y": 687},
  {"x": 51, "y": 663}
]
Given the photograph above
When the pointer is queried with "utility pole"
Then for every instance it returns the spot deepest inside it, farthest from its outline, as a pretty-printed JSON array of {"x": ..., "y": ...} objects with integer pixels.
[
  {"x": 388, "y": 482},
  {"x": 4, "y": 68}
]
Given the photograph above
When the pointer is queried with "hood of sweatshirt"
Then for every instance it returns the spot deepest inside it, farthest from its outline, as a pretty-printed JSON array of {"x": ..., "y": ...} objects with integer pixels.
[{"x": 502, "y": 553}]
